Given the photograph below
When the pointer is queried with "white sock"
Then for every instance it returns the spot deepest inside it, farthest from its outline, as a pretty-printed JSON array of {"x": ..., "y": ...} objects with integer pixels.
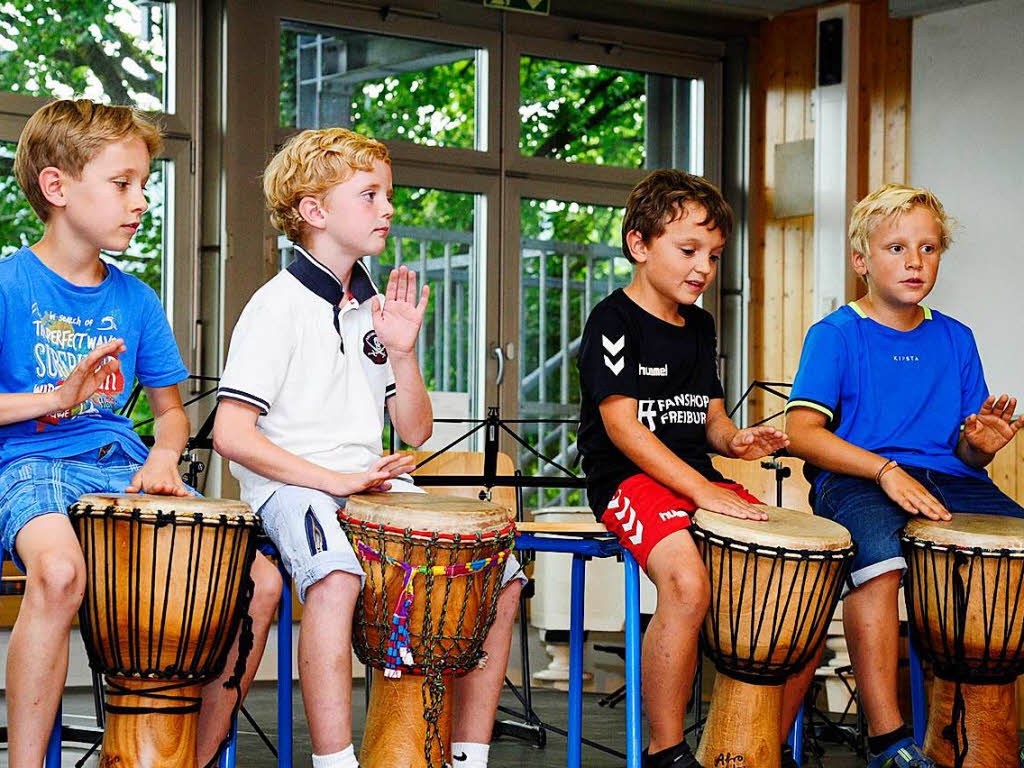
[
  {"x": 466, "y": 754},
  {"x": 344, "y": 759}
]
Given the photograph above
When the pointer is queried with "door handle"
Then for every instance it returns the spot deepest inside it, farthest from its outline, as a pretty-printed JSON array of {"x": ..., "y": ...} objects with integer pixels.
[{"x": 499, "y": 354}]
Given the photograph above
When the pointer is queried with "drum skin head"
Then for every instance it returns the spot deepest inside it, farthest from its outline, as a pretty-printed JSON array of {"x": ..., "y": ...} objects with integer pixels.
[
  {"x": 970, "y": 530},
  {"x": 427, "y": 512},
  {"x": 186, "y": 505},
  {"x": 783, "y": 528}
]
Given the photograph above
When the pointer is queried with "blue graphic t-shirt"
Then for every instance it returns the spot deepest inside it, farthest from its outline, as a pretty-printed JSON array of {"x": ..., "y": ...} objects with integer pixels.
[
  {"x": 47, "y": 325},
  {"x": 901, "y": 394}
]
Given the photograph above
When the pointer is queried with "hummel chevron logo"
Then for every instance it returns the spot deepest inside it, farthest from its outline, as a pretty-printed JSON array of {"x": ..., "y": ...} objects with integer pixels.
[
  {"x": 613, "y": 348},
  {"x": 627, "y": 526}
]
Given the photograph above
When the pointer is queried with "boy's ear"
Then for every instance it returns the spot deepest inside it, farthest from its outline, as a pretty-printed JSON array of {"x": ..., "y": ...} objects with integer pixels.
[
  {"x": 51, "y": 184},
  {"x": 637, "y": 246},
  {"x": 859, "y": 262},
  {"x": 312, "y": 212}
]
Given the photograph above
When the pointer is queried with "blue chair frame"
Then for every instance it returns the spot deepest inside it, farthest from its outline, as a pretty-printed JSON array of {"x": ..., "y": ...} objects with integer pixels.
[{"x": 582, "y": 549}]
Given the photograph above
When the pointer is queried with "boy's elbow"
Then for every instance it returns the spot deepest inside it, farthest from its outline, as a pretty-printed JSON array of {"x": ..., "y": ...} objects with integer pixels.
[
  {"x": 223, "y": 440},
  {"x": 420, "y": 435}
]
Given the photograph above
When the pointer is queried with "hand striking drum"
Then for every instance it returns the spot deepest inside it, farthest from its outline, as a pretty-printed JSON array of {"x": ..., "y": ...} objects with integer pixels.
[
  {"x": 774, "y": 588},
  {"x": 167, "y": 586},
  {"x": 963, "y": 587},
  {"x": 433, "y": 569}
]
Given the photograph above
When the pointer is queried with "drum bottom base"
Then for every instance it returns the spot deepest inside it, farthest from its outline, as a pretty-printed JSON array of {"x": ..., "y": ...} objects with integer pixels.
[
  {"x": 149, "y": 738},
  {"x": 990, "y": 719},
  {"x": 743, "y": 726},
  {"x": 396, "y": 730}
]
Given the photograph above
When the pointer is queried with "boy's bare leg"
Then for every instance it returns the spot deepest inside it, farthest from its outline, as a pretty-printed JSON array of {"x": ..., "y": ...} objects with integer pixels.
[
  {"x": 37, "y": 658},
  {"x": 794, "y": 691},
  {"x": 218, "y": 701},
  {"x": 325, "y": 660},
  {"x": 669, "y": 655},
  {"x": 477, "y": 693},
  {"x": 871, "y": 623}
]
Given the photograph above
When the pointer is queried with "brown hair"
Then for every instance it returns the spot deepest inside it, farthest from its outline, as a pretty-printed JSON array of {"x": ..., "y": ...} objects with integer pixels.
[
  {"x": 68, "y": 135},
  {"x": 660, "y": 198},
  {"x": 308, "y": 165}
]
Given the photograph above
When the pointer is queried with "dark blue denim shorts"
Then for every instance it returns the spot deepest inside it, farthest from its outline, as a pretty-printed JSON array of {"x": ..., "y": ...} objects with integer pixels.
[{"x": 875, "y": 521}]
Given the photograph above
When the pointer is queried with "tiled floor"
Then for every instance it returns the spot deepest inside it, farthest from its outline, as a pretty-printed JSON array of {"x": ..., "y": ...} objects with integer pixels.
[{"x": 601, "y": 724}]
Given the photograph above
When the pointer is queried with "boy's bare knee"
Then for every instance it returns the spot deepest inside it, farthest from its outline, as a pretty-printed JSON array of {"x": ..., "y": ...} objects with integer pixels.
[
  {"x": 684, "y": 590},
  {"x": 267, "y": 587},
  {"x": 59, "y": 578},
  {"x": 337, "y": 591}
]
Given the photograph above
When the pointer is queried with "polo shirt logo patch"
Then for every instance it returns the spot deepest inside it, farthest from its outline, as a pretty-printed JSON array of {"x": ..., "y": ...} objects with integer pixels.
[{"x": 373, "y": 349}]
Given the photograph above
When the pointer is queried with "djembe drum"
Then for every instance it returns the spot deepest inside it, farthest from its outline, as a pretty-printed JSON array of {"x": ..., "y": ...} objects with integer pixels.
[
  {"x": 774, "y": 588},
  {"x": 167, "y": 586},
  {"x": 434, "y": 568},
  {"x": 963, "y": 590}
]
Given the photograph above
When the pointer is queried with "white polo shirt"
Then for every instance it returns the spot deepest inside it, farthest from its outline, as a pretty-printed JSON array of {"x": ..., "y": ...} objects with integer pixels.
[{"x": 312, "y": 364}]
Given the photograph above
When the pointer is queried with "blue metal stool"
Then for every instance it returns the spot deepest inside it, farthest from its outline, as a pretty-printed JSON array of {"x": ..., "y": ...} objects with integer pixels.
[
  {"x": 285, "y": 738},
  {"x": 584, "y": 541},
  {"x": 53, "y": 745},
  {"x": 919, "y": 706}
]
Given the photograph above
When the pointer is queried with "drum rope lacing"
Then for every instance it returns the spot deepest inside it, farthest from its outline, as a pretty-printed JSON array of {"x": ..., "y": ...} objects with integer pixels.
[
  {"x": 233, "y": 557},
  {"x": 399, "y": 654},
  {"x": 809, "y": 594},
  {"x": 441, "y": 654},
  {"x": 995, "y": 666}
]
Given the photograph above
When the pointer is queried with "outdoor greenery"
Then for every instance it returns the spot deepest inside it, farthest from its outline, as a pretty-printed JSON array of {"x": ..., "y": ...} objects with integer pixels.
[{"x": 111, "y": 51}]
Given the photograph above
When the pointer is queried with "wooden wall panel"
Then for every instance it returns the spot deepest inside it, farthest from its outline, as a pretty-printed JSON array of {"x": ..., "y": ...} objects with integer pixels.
[
  {"x": 782, "y": 256},
  {"x": 781, "y": 267}
]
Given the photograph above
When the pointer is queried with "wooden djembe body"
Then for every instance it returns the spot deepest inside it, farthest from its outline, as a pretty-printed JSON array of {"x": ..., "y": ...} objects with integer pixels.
[
  {"x": 774, "y": 588},
  {"x": 434, "y": 568},
  {"x": 963, "y": 587},
  {"x": 167, "y": 586}
]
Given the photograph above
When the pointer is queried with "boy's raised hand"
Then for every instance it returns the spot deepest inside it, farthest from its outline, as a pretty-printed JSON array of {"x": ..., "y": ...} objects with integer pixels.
[
  {"x": 755, "y": 443},
  {"x": 89, "y": 374},
  {"x": 398, "y": 322},
  {"x": 992, "y": 427}
]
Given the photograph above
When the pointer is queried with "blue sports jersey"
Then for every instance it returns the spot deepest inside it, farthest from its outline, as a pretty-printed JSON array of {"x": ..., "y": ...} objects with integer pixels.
[
  {"x": 901, "y": 394},
  {"x": 47, "y": 325}
]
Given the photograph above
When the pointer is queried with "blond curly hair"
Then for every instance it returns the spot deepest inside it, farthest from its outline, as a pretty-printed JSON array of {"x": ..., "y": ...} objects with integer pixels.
[
  {"x": 891, "y": 200},
  {"x": 308, "y": 165}
]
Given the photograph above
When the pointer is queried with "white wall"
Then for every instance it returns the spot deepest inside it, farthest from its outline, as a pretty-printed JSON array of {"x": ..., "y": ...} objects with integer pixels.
[{"x": 967, "y": 146}]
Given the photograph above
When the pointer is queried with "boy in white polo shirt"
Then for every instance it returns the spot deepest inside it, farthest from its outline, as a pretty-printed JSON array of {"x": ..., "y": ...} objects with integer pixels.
[{"x": 314, "y": 359}]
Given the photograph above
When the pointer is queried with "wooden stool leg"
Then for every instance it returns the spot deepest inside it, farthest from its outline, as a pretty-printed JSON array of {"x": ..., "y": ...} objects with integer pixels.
[
  {"x": 395, "y": 729},
  {"x": 742, "y": 729},
  {"x": 990, "y": 719}
]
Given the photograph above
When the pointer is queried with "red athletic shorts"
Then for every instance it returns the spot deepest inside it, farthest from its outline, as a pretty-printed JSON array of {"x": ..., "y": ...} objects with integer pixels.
[{"x": 643, "y": 512}]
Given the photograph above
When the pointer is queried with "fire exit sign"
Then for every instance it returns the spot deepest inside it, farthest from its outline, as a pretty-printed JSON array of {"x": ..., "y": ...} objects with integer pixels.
[{"x": 542, "y": 7}]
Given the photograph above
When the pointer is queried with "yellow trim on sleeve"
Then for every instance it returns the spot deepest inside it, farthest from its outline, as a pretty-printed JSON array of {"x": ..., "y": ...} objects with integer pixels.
[{"x": 808, "y": 404}]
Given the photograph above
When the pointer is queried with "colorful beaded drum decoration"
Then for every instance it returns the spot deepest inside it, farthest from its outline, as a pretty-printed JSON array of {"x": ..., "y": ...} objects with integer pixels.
[{"x": 434, "y": 567}]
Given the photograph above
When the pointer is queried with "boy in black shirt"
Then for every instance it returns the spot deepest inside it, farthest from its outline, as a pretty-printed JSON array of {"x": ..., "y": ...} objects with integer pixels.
[{"x": 652, "y": 409}]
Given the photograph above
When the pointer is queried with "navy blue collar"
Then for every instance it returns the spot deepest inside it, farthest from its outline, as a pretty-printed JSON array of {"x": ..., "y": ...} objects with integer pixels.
[{"x": 325, "y": 284}]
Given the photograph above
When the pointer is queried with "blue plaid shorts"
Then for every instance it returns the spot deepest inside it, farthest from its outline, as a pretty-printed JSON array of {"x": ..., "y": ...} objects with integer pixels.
[{"x": 36, "y": 486}]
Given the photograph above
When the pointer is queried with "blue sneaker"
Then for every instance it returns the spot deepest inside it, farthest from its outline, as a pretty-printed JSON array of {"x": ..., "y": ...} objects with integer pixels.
[{"x": 903, "y": 754}]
